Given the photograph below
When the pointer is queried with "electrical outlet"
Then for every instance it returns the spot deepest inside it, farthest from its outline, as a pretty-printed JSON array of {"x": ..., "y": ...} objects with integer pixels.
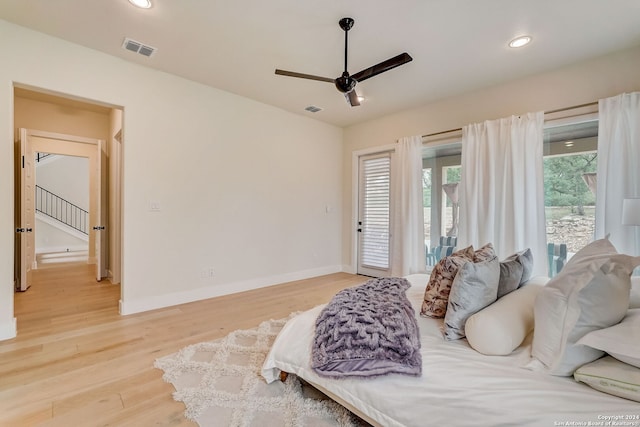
[
  {"x": 154, "y": 206},
  {"x": 211, "y": 272}
]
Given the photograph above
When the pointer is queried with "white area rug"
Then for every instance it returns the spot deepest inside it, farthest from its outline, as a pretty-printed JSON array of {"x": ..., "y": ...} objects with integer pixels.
[{"x": 220, "y": 384}]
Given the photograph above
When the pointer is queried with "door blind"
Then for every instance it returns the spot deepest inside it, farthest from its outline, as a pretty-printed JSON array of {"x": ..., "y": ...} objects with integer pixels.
[{"x": 374, "y": 238}]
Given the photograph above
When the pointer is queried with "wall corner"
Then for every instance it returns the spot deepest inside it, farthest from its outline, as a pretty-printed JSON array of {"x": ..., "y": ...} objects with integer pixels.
[{"x": 8, "y": 329}]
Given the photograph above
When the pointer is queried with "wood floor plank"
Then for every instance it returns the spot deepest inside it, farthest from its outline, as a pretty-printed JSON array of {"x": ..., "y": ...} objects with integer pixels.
[
  {"x": 76, "y": 359},
  {"x": 34, "y": 414},
  {"x": 78, "y": 411}
]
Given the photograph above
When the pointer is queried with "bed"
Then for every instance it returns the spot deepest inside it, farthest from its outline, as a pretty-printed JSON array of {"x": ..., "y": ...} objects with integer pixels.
[{"x": 458, "y": 386}]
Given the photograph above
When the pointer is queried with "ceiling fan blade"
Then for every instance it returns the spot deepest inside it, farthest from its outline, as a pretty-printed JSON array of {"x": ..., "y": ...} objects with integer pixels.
[
  {"x": 304, "y": 76},
  {"x": 352, "y": 98},
  {"x": 387, "y": 65}
]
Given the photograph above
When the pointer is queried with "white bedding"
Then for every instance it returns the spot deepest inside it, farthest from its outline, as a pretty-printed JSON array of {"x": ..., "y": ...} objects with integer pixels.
[{"x": 458, "y": 386}]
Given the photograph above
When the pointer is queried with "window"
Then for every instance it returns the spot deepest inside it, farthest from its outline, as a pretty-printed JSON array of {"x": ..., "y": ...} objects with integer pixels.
[
  {"x": 570, "y": 165},
  {"x": 440, "y": 178},
  {"x": 450, "y": 214},
  {"x": 426, "y": 203}
]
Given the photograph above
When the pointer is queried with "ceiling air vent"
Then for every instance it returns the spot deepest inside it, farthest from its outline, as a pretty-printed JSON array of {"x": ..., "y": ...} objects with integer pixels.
[
  {"x": 313, "y": 108},
  {"x": 138, "y": 47}
]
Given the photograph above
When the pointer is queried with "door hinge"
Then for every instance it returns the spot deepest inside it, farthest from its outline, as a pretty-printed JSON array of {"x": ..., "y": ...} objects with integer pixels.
[
  {"x": 99, "y": 227},
  {"x": 19, "y": 230}
]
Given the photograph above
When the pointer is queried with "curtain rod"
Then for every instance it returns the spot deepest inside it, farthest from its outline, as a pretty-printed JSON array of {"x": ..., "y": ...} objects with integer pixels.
[{"x": 559, "y": 110}]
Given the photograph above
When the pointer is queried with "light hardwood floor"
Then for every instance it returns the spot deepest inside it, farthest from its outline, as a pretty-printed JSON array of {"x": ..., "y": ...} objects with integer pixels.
[{"x": 77, "y": 362}]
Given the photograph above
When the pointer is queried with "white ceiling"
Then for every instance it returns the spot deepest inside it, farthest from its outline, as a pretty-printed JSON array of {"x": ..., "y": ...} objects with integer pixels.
[{"x": 235, "y": 45}]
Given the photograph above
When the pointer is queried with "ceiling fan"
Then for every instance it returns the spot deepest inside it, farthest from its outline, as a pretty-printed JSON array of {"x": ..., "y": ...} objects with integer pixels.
[{"x": 346, "y": 83}]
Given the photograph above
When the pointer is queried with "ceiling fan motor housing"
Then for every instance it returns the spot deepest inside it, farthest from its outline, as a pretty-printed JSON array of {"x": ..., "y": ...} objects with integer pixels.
[
  {"x": 346, "y": 23},
  {"x": 345, "y": 83}
]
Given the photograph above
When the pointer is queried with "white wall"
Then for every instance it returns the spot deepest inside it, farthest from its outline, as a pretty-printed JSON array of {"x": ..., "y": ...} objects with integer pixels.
[
  {"x": 569, "y": 86},
  {"x": 243, "y": 187},
  {"x": 67, "y": 177},
  {"x": 49, "y": 238}
]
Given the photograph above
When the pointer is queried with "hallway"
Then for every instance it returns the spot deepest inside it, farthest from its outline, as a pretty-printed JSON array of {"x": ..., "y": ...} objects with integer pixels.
[{"x": 63, "y": 297}]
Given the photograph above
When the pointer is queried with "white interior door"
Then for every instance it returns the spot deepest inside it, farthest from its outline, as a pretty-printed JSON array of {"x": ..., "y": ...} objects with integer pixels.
[
  {"x": 98, "y": 228},
  {"x": 374, "y": 214},
  {"x": 27, "y": 212}
]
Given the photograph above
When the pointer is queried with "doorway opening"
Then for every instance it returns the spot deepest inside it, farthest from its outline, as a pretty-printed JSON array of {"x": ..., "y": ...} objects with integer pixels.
[{"x": 77, "y": 220}]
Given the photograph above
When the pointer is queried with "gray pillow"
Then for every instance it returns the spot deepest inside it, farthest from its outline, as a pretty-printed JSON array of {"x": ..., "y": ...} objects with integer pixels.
[
  {"x": 510, "y": 276},
  {"x": 525, "y": 258},
  {"x": 474, "y": 287}
]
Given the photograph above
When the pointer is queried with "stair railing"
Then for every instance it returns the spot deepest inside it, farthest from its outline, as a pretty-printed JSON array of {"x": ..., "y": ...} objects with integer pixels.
[
  {"x": 61, "y": 210},
  {"x": 41, "y": 156}
]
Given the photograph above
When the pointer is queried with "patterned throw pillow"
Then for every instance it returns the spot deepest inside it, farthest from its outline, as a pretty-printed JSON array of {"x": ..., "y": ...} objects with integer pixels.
[
  {"x": 436, "y": 295},
  {"x": 485, "y": 253}
]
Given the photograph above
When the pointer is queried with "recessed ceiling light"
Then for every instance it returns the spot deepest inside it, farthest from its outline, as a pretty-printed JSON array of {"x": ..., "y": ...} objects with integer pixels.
[
  {"x": 520, "y": 41},
  {"x": 145, "y": 4}
]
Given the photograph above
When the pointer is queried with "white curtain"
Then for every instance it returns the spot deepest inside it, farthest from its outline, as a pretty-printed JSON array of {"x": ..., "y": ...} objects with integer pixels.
[
  {"x": 407, "y": 213},
  {"x": 502, "y": 188},
  {"x": 618, "y": 169}
]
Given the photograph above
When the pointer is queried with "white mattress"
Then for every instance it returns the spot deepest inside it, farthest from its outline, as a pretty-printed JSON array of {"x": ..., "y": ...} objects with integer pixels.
[{"x": 458, "y": 386}]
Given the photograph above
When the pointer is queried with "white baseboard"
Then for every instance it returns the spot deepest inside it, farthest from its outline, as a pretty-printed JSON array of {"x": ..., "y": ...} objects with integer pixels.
[
  {"x": 60, "y": 249},
  {"x": 160, "y": 301},
  {"x": 8, "y": 329},
  {"x": 349, "y": 269}
]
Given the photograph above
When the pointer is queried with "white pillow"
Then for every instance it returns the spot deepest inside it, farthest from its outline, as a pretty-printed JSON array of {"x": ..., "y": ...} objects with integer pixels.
[
  {"x": 501, "y": 327},
  {"x": 621, "y": 341},
  {"x": 591, "y": 292},
  {"x": 634, "y": 300},
  {"x": 611, "y": 376}
]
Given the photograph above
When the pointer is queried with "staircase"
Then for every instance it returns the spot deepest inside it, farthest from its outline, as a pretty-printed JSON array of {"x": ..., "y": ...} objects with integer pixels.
[{"x": 61, "y": 210}]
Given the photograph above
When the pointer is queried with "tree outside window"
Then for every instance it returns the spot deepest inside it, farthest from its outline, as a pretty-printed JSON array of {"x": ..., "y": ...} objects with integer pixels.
[{"x": 569, "y": 200}]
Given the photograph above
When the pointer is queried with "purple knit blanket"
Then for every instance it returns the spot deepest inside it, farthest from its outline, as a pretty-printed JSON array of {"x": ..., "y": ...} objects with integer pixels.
[{"x": 368, "y": 330}]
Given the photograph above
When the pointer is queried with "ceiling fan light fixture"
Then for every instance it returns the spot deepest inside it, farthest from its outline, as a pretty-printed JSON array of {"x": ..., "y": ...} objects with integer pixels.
[
  {"x": 520, "y": 41},
  {"x": 143, "y": 4}
]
